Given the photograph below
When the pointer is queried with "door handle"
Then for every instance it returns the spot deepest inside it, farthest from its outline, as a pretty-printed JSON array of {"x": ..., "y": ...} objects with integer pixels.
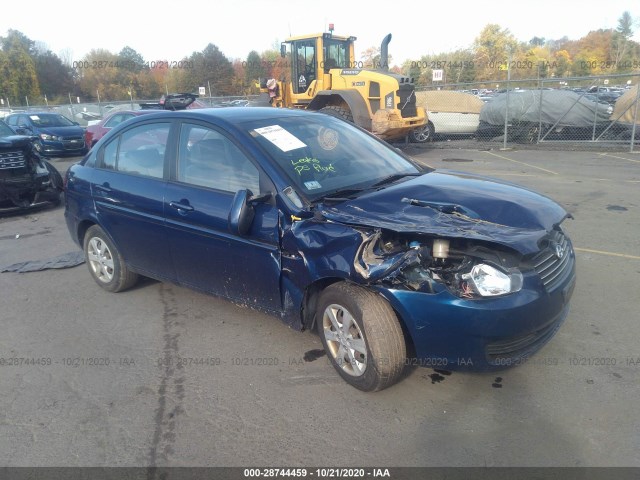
[
  {"x": 103, "y": 188},
  {"x": 181, "y": 206}
]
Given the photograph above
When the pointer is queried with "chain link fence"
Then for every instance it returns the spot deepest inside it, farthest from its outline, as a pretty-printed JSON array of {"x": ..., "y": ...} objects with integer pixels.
[
  {"x": 88, "y": 113},
  {"x": 597, "y": 111}
]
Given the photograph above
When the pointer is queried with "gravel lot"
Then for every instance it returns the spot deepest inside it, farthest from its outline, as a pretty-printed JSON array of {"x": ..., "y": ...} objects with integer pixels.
[{"x": 253, "y": 392}]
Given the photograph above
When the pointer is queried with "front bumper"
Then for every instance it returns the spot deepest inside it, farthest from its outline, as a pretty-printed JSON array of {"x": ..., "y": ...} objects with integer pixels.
[
  {"x": 486, "y": 334},
  {"x": 26, "y": 194},
  {"x": 55, "y": 148},
  {"x": 389, "y": 124}
]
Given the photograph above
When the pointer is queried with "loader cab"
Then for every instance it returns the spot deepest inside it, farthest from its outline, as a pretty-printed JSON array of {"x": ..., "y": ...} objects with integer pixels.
[
  {"x": 312, "y": 57},
  {"x": 303, "y": 63}
]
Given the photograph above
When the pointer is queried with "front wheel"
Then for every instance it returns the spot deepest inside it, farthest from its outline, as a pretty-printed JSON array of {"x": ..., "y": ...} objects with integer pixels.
[
  {"x": 362, "y": 336},
  {"x": 423, "y": 134},
  {"x": 106, "y": 265}
]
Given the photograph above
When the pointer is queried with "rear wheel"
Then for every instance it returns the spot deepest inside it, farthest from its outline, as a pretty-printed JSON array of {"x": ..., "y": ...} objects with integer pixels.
[
  {"x": 361, "y": 335},
  {"x": 338, "y": 111},
  {"x": 423, "y": 134},
  {"x": 106, "y": 265},
  {"x": 529, "y": 133}
]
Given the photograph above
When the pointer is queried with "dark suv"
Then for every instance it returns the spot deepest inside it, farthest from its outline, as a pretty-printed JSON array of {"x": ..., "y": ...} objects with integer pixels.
[{"x": 26, "y": 180}]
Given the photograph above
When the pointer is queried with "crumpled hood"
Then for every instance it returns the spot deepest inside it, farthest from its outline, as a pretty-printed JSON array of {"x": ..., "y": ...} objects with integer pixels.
[{"x": 455, "y": 204}]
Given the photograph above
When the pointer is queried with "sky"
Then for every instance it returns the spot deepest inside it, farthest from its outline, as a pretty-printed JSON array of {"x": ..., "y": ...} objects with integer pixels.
[{"x": 173, "y": 30}]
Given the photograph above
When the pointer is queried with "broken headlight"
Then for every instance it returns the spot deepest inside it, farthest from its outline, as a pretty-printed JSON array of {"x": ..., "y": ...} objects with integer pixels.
[{"x": 488, "y": 281}]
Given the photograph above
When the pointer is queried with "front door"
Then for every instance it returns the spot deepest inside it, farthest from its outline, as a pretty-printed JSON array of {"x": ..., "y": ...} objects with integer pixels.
[
  {"x": 210, "y": 168},
  {"x": 304, "y": 65}
]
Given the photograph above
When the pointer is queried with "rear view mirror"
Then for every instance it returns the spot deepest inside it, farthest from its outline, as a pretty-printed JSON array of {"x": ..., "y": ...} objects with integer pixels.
[{"x": 242, "y": 211}]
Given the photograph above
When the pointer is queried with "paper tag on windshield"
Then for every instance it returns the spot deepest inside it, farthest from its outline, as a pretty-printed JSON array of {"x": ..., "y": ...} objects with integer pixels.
[
  {"x": 312, "y": 185},
  {"x": 282, "y": 139},
  {"x": 34, "y": 117}
]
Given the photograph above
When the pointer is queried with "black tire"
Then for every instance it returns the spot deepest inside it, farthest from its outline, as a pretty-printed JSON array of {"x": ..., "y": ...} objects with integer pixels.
[
  {"x": 338, "y": 112},
  {"x": 105, "y": 263},
  {"x": 423, "y": 134},
  {"x": 374, "y": 327}
]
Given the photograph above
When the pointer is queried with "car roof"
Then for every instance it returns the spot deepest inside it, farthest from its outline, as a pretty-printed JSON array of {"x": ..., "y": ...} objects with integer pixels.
[
  {"x": 113, "y": 113},
  {"x": 235, "y": 115}
]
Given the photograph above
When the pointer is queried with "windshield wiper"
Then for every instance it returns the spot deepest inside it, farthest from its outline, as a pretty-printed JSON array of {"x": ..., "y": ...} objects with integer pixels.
[
  {"x": 393, "y": 178},
  {"x": 341, "y": 195}
]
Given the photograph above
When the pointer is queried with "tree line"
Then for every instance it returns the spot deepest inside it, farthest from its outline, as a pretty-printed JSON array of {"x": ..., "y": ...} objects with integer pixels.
[
  {"x": 30, "y": 73},
  {"x": 496, "y": 53}
]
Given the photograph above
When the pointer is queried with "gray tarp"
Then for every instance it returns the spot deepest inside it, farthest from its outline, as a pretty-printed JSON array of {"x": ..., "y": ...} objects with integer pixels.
[
  {"x": 525, "y": 106},
  {"x": 66, "y": 260}
]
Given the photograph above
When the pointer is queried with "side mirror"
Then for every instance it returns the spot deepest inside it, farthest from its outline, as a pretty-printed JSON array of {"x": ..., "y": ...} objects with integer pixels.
[{"x": 242, "y": 211}]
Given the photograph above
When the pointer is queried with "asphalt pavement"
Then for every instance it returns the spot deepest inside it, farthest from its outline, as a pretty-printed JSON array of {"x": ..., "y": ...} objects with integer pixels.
[{"x": 163, "y": 376}]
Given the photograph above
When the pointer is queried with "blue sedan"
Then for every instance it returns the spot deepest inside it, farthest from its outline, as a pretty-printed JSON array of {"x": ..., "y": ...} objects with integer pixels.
[
  {"x": 314, "y": 220},
  {"x": 57, "y": 135}
]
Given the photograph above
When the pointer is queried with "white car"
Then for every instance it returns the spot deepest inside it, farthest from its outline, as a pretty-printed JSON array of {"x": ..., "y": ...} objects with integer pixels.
[{"x": 449, "y": 112}]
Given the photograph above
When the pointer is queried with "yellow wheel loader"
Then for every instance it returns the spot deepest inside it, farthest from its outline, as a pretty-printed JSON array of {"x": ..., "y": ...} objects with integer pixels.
[{"x": 326, "y": 77}]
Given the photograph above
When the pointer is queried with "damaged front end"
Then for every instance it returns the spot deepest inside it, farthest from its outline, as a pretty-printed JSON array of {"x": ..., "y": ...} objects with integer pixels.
[
  {"x": 421, "y": 263},
  {"x": 465, "y": 302},
  {"x": 26, "y": 180}
]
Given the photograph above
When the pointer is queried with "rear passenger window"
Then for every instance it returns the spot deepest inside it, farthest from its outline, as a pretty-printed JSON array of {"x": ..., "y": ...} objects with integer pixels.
[{"x": 139, "y": 151}]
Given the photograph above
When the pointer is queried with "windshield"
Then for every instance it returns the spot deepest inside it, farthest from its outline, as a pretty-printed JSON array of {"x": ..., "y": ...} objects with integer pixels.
[
  {"x": 323, "y": 155},
  {"x": 50, "y": 120},
  {"x": 5, "y": 130}
]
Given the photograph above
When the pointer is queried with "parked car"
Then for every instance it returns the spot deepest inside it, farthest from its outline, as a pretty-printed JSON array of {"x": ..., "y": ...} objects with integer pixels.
[
  {"x": 26, "y": 180},
  {"x": 57, "y": 135},
  {"x": 172, "y": 101},
  {"x": 93, "y": 133},
  {"x": 450, "y": 113},
  {"x": 316, "y": 221},
  {"x": 560, "y": 114}
]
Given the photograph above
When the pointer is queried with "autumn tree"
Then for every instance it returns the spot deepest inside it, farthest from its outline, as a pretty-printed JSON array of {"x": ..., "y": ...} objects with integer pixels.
[
  {"x": 278, "y": 67},
  {"x": 98, "y": 73},
  {"x": 563, "y": 63},
  {"x": 254, "y": 68},
  {"x": 210, "y": 67},
  {"x": 54, "y": 77},
  {"x": 371, "y": 59},
  {"x": 20, "y": 80},
  {"x": 620, "y": 41},
  {"x": 493, "y": 47}
]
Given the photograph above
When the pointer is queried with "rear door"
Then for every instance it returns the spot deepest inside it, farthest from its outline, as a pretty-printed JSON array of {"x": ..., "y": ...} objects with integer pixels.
[
  {"x": 210, "y": 168},
  {"x": 128, "y": 188}
]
